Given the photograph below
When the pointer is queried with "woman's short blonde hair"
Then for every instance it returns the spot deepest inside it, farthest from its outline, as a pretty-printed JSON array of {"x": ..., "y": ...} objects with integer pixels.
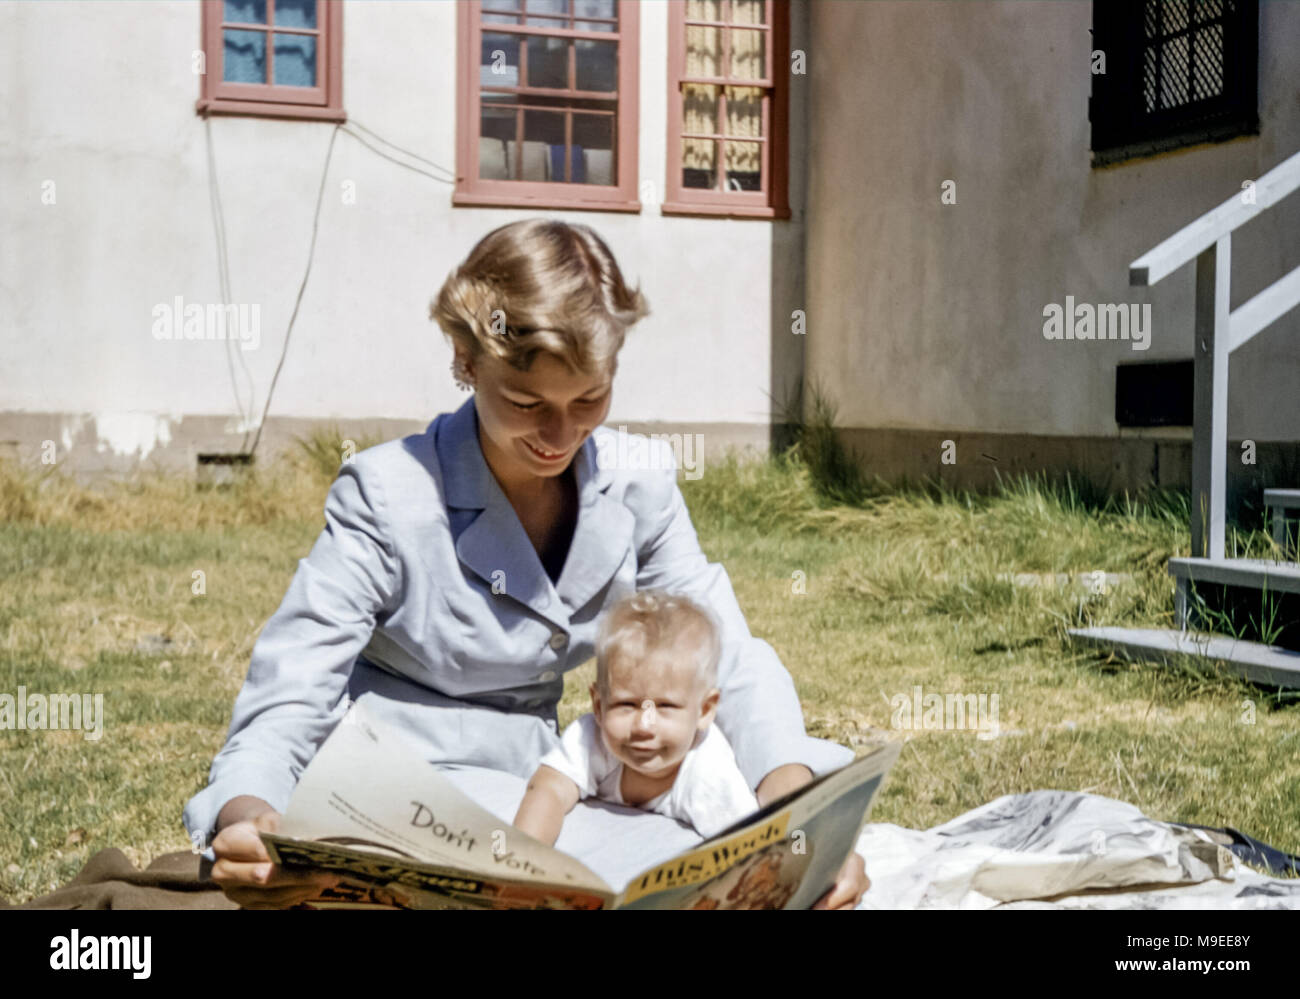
[
  {"x": 651, "y": 620},
  {"x": 539, "y": 285}
]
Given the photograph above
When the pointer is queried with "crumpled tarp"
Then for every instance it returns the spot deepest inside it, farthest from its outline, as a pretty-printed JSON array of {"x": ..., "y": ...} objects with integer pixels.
[{"x": 1061, "y": 850}]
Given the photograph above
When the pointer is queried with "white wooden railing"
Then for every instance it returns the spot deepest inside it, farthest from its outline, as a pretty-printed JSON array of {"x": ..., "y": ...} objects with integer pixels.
[{"x": 1220, "y": 331}]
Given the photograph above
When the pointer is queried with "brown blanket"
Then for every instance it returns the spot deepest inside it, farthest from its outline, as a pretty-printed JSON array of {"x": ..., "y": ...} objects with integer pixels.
[{"x": 110, "y": 881}]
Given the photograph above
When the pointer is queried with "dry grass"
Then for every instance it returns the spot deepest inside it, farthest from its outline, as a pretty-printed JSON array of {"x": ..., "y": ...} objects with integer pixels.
[{"x": 863, "y": 601}]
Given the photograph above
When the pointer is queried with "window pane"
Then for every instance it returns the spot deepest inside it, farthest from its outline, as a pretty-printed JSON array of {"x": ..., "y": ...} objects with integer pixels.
[
  {"x": 497, "y": 136},
  {"x": 295, "y": 13},
  {"x": 295, "y": 60},
  {"x": 703, "y": 51},
  {"x": 548, "y": 61},
  {"x": 595, "y": 8},
  {"x": 1174, "y": 72},
  {"x": 745, "y": 111},
  {"x": 700, "y": 108},
  {"x": 1207, "y": 10},
  {"x": 594, "y": 159},
  {"x": 1207, "y": 47},
  {"x": 1175, "y": 15},
  {"x": 744, "y": 160},
  {"x": 543, "y": 151},
  {"x": 499, "y": 60},
  {"x": 747, "y": 54},
  {"x": 560, "y": 7},
  {"x": 1151, "y": 17},
  {"x": 699, "y": 163},
  {"x": 244, "y": 56},
  {"x": 1150, "y": 71},
  {"x": 747, "y": 12},
  {"x": 500, "y": 18},
  {"x": 245, "y": 11},
  {"x": 597, "y": 65},
  {"x": 703, "y": 10}
]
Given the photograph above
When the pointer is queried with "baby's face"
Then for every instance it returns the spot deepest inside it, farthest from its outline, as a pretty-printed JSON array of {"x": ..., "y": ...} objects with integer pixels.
[{"x": 653, "y": 713}]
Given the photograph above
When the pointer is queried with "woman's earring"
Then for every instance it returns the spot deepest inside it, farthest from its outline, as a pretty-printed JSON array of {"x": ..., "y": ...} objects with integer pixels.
[{"x": 464, "y": 381}]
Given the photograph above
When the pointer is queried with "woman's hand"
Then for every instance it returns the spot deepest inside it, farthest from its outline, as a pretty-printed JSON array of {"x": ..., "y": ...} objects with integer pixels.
[
  {"x": 852, "y": 880},
  {"x": 244, "y": 868},
  {"x": 850, "y": 885}
]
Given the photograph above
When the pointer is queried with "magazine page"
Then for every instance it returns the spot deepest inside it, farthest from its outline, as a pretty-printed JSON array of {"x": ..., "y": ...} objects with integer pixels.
[
  {"x": 369, "y": 804},
  {"x": 785, "y": 856}
]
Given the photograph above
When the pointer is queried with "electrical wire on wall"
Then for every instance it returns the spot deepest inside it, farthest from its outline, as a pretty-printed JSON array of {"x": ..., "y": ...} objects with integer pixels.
[
  {"x": 223, "y": 283},
  {"x": 223, "y": 264}
]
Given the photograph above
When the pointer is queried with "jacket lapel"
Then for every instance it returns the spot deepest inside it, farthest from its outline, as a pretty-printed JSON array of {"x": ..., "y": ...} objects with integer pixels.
[{"x": 495, "y": 543}]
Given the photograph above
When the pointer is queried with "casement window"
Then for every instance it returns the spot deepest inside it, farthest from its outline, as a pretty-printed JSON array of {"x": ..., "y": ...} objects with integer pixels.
[
  {"x": 273, "y": 58},
  {"x": 1177, "y": 73},
  {"x": 728, "y": 106},
  {"x": 547, "y": 104}
]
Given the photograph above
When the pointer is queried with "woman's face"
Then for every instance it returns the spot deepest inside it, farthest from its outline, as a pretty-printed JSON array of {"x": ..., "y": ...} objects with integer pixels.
[{"x": 532, "y": 422}]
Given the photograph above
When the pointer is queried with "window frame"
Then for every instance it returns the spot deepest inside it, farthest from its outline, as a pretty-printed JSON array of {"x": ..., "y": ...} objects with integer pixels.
[
  {"x": 323, "y": 102},
  {"x": 473, "y": 191},
  {"x": 1120, "y": 129},
  {"x": 772, "y": 202}
]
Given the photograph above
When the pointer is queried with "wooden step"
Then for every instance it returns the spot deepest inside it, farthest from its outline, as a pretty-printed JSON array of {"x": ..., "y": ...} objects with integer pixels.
[
  {"x": 1250, "y": 573},
  {"x": 1266, "y": 665},
  {"x": 1282, "y": 499},
  {"x": 1254, "y": 573}
]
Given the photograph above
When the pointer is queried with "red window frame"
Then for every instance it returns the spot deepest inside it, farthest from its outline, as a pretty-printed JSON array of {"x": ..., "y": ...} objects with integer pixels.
[
  {"x": 772, "y": 201},
  {"x": 323, "y": 102},
  {"x": 472, "y": 190}
]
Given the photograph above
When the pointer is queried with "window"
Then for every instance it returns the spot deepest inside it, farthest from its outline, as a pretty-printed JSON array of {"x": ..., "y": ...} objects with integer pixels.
[
  {"x": 1177, "y": 72},
  {"x": 727, "y": 108},
  {"x": 274, "y": 58},
  {"x": 547, "y": 104}
]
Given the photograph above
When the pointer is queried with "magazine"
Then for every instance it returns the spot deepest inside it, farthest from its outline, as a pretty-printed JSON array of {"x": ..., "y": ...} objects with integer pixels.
[{"x": 405, "y": 838}]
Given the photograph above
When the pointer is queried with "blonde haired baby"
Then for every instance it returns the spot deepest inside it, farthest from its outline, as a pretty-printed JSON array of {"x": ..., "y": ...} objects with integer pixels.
[{"x": 649, "y": 740}]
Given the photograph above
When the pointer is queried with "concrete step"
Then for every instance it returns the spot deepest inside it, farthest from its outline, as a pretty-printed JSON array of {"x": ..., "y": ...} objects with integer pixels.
[{"x": 1266, "y": 665}]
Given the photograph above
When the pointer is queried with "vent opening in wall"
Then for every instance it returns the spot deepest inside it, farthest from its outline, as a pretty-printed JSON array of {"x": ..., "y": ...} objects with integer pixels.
[
  {"x": 1154, "y": 394},
  {"x": 222, "y": 469}
]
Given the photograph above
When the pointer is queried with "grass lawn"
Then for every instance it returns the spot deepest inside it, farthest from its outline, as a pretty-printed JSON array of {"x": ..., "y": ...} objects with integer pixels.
[{"x": 864, "y": 600}]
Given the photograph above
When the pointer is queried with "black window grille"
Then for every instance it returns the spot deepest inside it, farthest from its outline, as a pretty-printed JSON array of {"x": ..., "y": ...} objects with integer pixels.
[{"x": 1177, "y": 72}]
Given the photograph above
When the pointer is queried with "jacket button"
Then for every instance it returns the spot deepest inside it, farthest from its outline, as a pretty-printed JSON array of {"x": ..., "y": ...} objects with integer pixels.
[
  {"x": 546, "y": 677},
  {"x": 559, "y": 640}
]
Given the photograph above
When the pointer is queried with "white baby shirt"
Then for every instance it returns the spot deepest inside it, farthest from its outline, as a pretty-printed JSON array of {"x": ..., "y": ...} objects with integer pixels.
[{"x": 709, "y": 793}]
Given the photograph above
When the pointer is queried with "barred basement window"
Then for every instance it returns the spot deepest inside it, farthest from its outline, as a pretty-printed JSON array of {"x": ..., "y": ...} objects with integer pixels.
[{"x": 1177, "y": 73}]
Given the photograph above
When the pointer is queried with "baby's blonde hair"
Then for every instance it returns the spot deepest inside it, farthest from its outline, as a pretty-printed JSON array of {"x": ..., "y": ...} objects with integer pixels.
[
  {"x": 653, "y": 620},
  {"x": 539, "y": 286}
]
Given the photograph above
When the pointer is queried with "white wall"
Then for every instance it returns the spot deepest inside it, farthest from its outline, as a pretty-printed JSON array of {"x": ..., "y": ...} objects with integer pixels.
[
  {"x": 99, "y": 99},
  {"x": 930, "y": 316}
]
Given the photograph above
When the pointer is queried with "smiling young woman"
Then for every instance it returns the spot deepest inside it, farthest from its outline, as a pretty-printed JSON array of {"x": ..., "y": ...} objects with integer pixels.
[
  {"x": 511, "y": 311},
  {"x": 464, "y": 570}
]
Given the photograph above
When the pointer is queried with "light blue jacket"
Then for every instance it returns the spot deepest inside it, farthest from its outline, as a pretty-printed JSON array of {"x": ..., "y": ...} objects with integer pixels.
[{"x": 425, "y": 594}]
